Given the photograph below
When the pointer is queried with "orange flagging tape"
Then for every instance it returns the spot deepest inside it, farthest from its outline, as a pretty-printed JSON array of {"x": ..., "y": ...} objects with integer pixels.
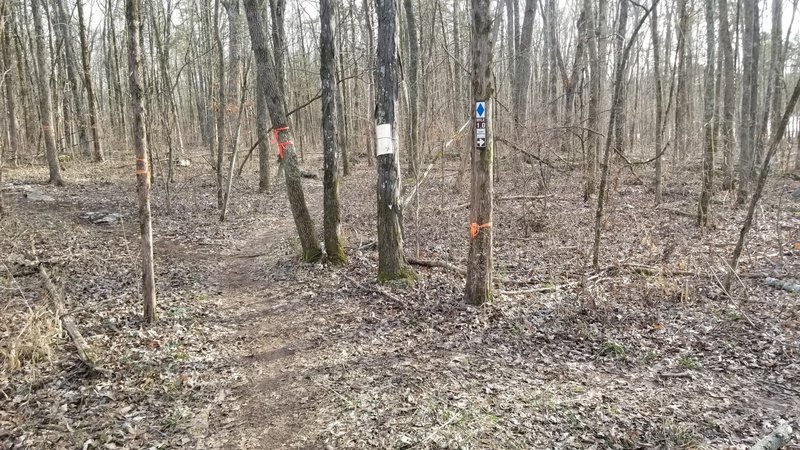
[
  {"x": 474, "y": 228},
  {"x": 277, "y": 140}
]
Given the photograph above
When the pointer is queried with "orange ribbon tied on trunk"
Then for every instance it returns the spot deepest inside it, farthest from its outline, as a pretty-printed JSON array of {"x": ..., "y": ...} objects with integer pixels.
[
  {"x": 474, "y": 228},
  {"x": 281, "y": 145}
]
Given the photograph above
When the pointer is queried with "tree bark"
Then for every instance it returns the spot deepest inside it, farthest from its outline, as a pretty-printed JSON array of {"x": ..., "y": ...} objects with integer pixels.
[
  {"x": 97, "y": 146},
  {"x": 703, "y": 211},
  {"x": 65, "y": 36},
  {"x": 392, "y": 263},
  {"x": 133, "y": 20},
  {"x": 522, "y": 73},
  {"x": 480, "y": 264},
  {"x": 747, "y": 126},
  {"x": 682, "y": 106},
  {"x": 332, "y": 215},
  {"x": 277, "y": 111},
  {"x": 45, "y": 98},
  {"x": 659, "y": 128},
  {"x": 413, "y": 70},
  {"x": 10, "y": 83},
  {"x": 728, "y": 96}
]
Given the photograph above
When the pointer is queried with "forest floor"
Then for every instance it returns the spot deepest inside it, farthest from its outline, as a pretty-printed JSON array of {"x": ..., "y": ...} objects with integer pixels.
[{"x": 254, "y": 349}]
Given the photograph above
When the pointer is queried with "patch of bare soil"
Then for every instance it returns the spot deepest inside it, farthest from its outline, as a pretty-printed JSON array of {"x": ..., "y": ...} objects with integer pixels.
[{"x": 257, "y": 350}]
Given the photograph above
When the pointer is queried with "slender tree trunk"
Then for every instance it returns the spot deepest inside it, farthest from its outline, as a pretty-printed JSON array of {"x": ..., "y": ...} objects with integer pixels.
[
  {"x": 480, "y": 264},
  {"x": 45, "y": 99},
  {"x": 220, "y": 105},
  {"x": 262, "y": 127},
  {"x": 370, "y": 125},
  {"x": 619, "y": 70},
  {"x": 413, "y": 89},
  {"x": 332, "y": 217},
  {"x": 133, "y": 19},
  {"x": 277, "y": 111},
  {"x": 703, "y": 210},
  {"x": 97, "y": 147},
  {"x": 596, "y": 75},
  {"x": 659, "y": 129},
  {"x": 9, "y": 81},
  {"x": 728, "y": 96},
  {"x": 747, "y": 126},
  {"x": 522, "y": 76},
  {"x": 682, "y": 92},
  {"x": 65, "y": 34},
  {"x": 392, "y": 263}
]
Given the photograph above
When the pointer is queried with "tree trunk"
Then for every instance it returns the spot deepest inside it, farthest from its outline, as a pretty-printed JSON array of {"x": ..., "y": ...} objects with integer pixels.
[
  {"x": 413, "y": 70},
  {"x": 369, "y": 60},
  {"x": 220, "y": 106},
  {"x": 277, "y": 111},
  {"x": 71, "y": 64},
  {"x": 133, "y": 20},
  {"x": 97, "y": 147},
  {"x": 479, "y": 266},
  {"x": 10, "y": 83},
  {"x": 728, "y": 94},
  {"x": 747, "y": 126},
  {"x": 703, "y": 212},
  {"x": 45, "y": 99},
  {"x": 659, "y": 129},
  {"x": 523, "y": 66},
  {"x": 392, "y": 263},
  {"x": 332, "y": 216},
  {"x": 682, "y": 91}
]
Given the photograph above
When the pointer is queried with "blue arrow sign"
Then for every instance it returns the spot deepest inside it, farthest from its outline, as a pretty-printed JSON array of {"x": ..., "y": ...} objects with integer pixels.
[{"x": 480, "y": 110}]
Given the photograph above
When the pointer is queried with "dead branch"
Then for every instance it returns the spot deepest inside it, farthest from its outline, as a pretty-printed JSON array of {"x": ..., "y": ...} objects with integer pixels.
[
  {"x": 85, "y": 352},
  {"x": 434, "y": 263}
]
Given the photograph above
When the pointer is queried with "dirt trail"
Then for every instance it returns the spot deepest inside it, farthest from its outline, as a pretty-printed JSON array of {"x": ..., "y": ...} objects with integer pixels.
[{"x": 267, "y": 405}]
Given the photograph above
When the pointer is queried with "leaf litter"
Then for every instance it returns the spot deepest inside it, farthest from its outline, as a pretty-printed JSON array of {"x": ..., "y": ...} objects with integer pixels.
[{"x": 256, "y": 350}]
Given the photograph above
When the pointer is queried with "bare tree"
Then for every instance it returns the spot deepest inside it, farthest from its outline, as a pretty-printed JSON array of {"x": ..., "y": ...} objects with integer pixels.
[
  {"x": 709, "y": 101},
  {"x": 659, "y": 111},
  {"x": 332, "y": 216},
  {"x": 133, "y": 20},
  {"x": 391, "y": 260},
  {"x": 728, "y": 94},
  {"x": 45, "y": 99},
  {"x": 747, "y": 125}
]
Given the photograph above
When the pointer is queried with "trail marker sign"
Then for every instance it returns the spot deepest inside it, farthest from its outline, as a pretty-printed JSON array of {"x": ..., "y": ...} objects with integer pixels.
[{"x": 480, "y": 110}]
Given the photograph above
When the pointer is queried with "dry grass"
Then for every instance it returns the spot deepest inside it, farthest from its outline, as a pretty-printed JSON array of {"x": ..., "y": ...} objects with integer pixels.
[{"x": 29, "y": 338}]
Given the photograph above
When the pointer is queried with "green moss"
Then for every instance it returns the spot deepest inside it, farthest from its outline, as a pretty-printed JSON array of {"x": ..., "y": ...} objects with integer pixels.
[
  {"x": 336, "y": 255},
  {"x": 405, "y": 273},
  {"x": 312, "y": 255}
]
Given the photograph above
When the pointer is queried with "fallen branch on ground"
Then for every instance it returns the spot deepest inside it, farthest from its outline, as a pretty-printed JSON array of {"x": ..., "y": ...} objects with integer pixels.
[
  {"x": 433, "y": 263},
  {"x": 85, "y": 353}
]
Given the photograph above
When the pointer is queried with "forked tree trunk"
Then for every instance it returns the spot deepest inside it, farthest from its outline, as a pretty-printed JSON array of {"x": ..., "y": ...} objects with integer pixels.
[
  {"x": 45, "y": 99},
  {"x": 479, "y": 266},
  {"x": 392, "y": 262},
  {"x": 327, "y": 69},
  {"x": 133, "y": 20},
  {"x": 277, "y": 111},
  {"x": 97, "y": 146},
  {"x": 703, "y": 211}
]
